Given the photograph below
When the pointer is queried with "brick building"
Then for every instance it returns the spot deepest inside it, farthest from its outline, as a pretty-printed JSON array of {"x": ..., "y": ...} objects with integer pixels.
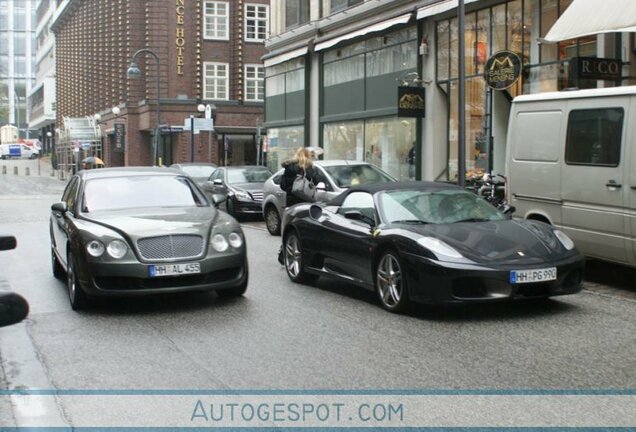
[{"x": 208, "y": 54}]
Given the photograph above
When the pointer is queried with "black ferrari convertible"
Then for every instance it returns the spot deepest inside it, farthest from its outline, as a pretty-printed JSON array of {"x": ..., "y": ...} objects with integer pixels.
[{"x": 430, "y": 243}]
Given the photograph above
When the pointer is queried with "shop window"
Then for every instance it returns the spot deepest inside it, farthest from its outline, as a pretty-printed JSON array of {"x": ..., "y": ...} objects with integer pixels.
[
  {"x": 336, "y": 5},
  {"x": 282, "y": 144},
  {"x": 594, "y": 137}
]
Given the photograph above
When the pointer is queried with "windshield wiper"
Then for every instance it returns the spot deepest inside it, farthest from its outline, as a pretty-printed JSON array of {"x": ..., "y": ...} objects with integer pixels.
[
  {"x": 411, "y": 221},
  {"x": 473, "y": 220}
]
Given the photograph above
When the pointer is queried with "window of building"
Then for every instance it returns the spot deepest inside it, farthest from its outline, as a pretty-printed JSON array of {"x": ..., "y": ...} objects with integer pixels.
[
  {"x": 282, "y": 144},
  {"x": 254, "y": 83},
  {"x": 215, "y": 80},
  {"x": 296, "y": 13},
  {"x": 594, "y": 137},
  {"x": 216, "y": 20},
  {"x": 256, "y": 22},
  {"x": 336, "y": 5},
  {"x": 19, "y": 41}
]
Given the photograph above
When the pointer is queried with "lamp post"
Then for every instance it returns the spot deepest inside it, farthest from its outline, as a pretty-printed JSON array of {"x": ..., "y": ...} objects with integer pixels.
[
  {"x": 16, "y": 100},
  {"x": 134, "y": 72},
  {"x": 210, "y": 113}
]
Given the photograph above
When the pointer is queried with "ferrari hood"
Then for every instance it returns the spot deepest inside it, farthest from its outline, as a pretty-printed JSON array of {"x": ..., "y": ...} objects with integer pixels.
[{"x": 500, "y": 242}]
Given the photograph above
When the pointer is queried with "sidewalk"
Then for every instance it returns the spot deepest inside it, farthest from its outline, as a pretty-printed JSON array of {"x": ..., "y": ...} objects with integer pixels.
[{"x": 29, "y": 177}]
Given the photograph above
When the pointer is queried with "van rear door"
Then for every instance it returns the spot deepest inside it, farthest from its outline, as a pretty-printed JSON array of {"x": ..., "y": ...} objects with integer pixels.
[
  {"x": 631, "y": 189},
  {"x": 594, "y": 183}
]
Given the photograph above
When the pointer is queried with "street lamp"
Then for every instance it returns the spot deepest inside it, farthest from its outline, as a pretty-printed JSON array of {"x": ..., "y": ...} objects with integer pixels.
[{"x": 134, "y": 72}]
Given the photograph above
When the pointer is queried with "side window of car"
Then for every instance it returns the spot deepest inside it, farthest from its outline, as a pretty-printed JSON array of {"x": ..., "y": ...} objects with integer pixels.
[
  {"x": 320, "y": 176},
  {"x": 213, "y": 175},
  {"x": 277, "y": 178},
  {"x": 360, "y": 201},
  {"x": 70, "y": 193}
]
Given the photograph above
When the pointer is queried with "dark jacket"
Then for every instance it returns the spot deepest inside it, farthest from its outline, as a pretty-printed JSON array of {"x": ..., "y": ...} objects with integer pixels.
[{"x": 291, "y": 171}]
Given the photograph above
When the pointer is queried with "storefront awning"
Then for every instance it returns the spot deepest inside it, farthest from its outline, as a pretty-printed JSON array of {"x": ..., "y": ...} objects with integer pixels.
[
  {"x": 285, "y": 57},
  {"x": 588, "y": 17},
  {"x": 402, "y": 19},
  {"x": 438, "y": 8}
]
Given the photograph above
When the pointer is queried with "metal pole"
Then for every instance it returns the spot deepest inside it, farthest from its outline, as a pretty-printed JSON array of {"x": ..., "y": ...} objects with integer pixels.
[
  {"x": 209, "y": 146},
  {"x": 16, "y": 99},
  {"x": 461, "y": 141},
  {"x": 158, "y": 111},
  {"x": 191, "y": 138}
]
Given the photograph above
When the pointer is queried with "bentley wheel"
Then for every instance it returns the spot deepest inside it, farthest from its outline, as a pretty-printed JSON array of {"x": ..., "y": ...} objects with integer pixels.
[
  {"x": 272, "y": 220},
  {"x": 58, "y": 270},
  {"x": 76, "y": 295},
  {"x": 293, "y": 257},
  {"x": 391, "y": 283}
]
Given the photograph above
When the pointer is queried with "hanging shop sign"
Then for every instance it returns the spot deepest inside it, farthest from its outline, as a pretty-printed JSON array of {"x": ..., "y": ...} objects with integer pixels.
[
  {"x": 411, "y": 101},
  {"x": 502, "y": 70},
  {"x": 180, "y": 35},
  {"x": 595, "y": 68},
  {"x": 120, "y": 137}
]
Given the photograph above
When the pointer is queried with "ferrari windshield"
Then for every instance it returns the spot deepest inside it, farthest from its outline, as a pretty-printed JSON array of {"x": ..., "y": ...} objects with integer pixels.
[
  {"x": 118, "y": 193},
  {"x": 436, "y": 207}
]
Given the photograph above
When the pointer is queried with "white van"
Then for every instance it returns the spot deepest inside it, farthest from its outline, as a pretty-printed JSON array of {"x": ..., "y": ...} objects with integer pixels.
[
  {"x": 8, "y": 151},
  {"x": 571, "y": 162}
]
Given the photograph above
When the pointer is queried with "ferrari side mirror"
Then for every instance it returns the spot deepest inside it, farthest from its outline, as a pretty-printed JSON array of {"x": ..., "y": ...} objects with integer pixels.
[{"x": 321, "y": 186}]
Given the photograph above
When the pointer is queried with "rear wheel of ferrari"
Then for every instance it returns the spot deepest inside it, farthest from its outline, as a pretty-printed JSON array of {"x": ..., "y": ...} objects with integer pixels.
[
  {"x": 293, "y": 257},
  {"x": 76, "y": 295},
  {"x": 390, "y": 283},
  {"x": 272, "y": 220}
]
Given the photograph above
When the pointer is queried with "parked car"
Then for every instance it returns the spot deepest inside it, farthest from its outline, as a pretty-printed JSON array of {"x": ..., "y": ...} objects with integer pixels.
[
  {"x": 8, "y": 151},
  {"x": 239, "y": 189},
  {"x": 428, "y": 242},
  {"x": 138, "y": 231},
  {"x": 571, "y": 162},
  {"x": 336, "y": 176},
  {"x": 198, "y": 171},
  {"x": 13, "y": 307}
]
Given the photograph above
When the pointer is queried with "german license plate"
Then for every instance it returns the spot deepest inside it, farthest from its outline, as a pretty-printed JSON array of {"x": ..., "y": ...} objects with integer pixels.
[
  {"x": 174, "y": 269},
  {"x": 528, "y": 276}
]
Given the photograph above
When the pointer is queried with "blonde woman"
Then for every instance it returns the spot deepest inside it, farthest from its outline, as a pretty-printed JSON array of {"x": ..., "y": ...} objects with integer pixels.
[{"x": 302, "y": 163}]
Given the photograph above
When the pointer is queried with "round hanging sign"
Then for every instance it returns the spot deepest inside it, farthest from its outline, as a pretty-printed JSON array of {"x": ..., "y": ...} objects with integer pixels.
[{"x": 502, "y": 70}]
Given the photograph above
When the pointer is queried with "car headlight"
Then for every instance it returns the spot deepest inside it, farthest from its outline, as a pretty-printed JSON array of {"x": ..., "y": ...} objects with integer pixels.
[
  {"x": 117, "y": 249},
  {"x": 236, "y": 241},
  {"x": 564, "y": 239},
  {"x": 95, "y": 248},
  {"x": 242, "y": 196},
  {"x": 219, "y": 243},
  {"x": 439, "y": 248}
]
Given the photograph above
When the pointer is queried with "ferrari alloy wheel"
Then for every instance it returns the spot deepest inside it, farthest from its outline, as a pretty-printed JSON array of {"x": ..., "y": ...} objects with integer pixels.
[
  {"x": 293, "y": 257},
  {"x": 76, "y": 295},
  {"x": 390, "y": 283},
  {"x": 272, "y": 220},
  {"x": 58, "y": 270}
]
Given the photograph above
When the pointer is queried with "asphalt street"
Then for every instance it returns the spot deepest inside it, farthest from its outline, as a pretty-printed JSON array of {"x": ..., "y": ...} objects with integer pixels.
[{"x": 281, "y": 335}]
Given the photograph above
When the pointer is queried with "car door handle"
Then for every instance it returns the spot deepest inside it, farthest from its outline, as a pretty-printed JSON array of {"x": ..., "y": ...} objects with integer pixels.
[
  {"x": 613, "y": 184},
  {"x": 633, "y": 187}
]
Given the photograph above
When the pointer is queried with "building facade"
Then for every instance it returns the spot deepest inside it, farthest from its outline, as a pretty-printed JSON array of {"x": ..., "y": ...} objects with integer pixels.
[
  {"x": 333, "y": 70},
  {"x": 17, "y": 54},
  {"x": 195, "y": 53},
  {"x": 41, "y": 98}
]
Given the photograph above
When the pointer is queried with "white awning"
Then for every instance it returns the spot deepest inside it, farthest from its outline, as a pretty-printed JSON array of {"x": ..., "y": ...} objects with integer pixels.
[
  {"x": 402, "y": 19},
  {"x": 588, "y": 17},
  {"x": 284, "y": 57},
  {"x": 438, "y": 8}
]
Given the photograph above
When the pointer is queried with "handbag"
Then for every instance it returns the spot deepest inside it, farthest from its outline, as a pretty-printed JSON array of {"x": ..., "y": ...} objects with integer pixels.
[{"x": 304, "y": 188}]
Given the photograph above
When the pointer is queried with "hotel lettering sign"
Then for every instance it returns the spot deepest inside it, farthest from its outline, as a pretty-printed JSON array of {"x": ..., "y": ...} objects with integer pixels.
[
  {"x": 411, "y": 101},
  {"x": 120, "y": 137},
  {"x": 595, "y": 68},
  {"x": 502, "y": 70},
  {"x": 180, "y": 36}
]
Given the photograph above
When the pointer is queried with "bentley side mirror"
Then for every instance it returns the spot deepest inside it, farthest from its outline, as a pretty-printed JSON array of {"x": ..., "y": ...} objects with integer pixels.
[
  {"x": 217, "y": 199},
  {"x": 59, "y": 207}
]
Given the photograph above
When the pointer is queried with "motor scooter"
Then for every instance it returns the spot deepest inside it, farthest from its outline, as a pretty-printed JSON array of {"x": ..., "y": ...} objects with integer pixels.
[{"x": 13, "y": 307}]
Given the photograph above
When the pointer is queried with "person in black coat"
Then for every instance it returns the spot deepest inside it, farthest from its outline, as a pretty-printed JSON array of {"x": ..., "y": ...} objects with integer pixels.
[{"x": 302, "y": 163}]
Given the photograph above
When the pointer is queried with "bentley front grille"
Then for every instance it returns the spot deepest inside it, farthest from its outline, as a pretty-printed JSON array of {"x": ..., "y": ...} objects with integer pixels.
[{"x": 170, "y": 247}]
